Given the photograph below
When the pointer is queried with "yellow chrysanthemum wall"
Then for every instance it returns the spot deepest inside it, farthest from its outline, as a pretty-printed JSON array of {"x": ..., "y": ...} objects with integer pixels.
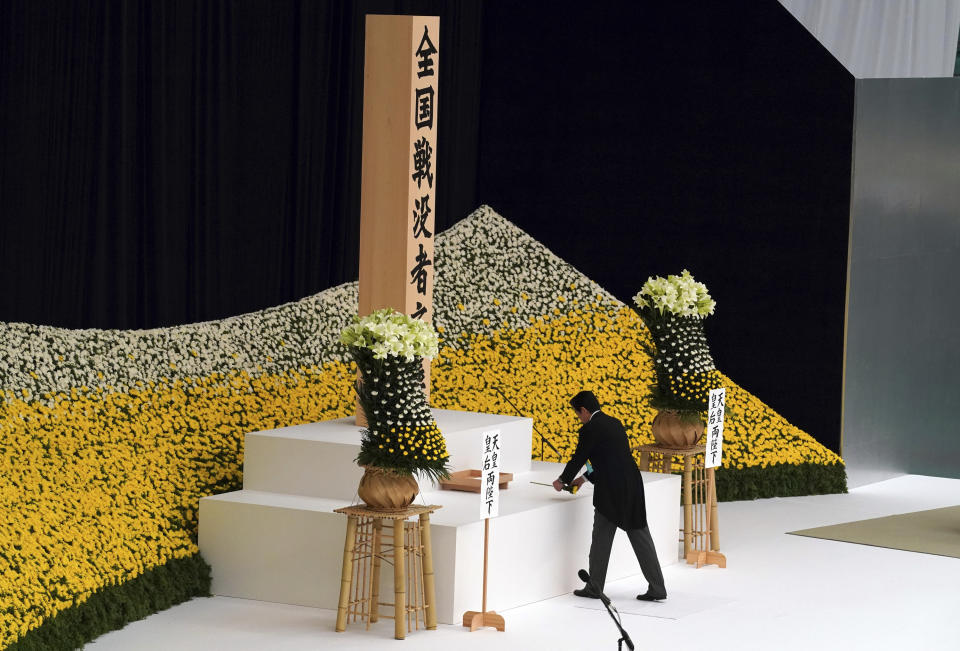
[{"x": 110, "y": 438}]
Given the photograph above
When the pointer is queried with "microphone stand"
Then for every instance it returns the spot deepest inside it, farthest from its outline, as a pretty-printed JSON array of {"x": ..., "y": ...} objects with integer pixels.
[
  {"x": 611, "y": 609},
  {"x": 543, "y": 437},
  {"x": 624, "y": 636}
]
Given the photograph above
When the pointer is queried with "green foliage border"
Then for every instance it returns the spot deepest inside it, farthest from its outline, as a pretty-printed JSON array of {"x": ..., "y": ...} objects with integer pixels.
[
  {"x": 113, "y": 607},
  {"x": 780, "y": 480}
]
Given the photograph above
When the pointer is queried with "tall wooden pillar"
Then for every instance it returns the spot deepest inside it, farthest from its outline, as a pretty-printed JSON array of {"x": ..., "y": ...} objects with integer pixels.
[{"x": 398, "y": 185}]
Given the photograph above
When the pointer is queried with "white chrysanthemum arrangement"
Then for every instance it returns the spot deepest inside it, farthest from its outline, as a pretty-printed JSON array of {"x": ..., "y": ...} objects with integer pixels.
[
  {"x": 673, "y": 308},
  {"x": 401, "y": 434}
]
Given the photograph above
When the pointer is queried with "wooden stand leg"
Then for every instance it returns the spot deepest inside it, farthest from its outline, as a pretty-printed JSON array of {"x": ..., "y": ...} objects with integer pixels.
[
  {"x": 430, "y": 593},
  {"x": 644, "y": 460},
  {"x": 476, "y": 620},
  {"x": 375, "y": 579},
  {"x": 701, "y": 558},
  {"x": 713, "y": 556},
  {"x": 687, "y": 505},
  {"x": 484, "y": 618},
  {"x": 346, "y": 574},
  {"x": 710, "y": 555},
  {"x": 399, "y": 581},
  {"x": 486, "y": 547},
  {"x": 714, "y": 520}
]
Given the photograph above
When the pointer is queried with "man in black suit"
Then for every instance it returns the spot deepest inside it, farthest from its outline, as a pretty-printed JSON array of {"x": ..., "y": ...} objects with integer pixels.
[{"x": 618, "y": 500}]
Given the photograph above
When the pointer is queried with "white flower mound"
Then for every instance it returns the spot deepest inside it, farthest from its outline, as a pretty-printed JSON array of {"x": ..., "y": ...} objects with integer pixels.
[
  {"x": 487, "y": 268},
  {"x": 43, "y": 359},
  {"x": 489, "y": 274}
]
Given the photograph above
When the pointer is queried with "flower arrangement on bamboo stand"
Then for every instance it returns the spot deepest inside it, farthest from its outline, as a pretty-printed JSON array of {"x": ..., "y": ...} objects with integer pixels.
[
  {"x": 673, "y": 309},
  {"x": 401, "y": 438}
]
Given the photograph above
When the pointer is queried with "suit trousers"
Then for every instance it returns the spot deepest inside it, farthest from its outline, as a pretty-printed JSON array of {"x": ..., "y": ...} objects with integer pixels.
[{"x": 603, "y": 533}]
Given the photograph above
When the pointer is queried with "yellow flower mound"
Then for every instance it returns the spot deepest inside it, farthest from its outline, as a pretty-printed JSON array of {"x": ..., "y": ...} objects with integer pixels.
[
  {"x": 100, "y": 487},
  {"x": 534, "y": 371}
]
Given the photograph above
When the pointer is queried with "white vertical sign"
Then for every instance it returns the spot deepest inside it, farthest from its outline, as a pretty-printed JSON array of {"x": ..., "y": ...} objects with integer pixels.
[
  {"x": 714, "y": 453},
  {"x": 490, "y": 475}
]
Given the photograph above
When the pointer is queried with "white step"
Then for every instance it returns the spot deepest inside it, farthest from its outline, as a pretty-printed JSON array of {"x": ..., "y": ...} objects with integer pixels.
[
  {"x": 288, "y": 548},
  {"x": 317, "y": 459}
]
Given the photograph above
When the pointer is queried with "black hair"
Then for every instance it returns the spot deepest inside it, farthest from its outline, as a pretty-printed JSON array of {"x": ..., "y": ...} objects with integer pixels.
[{"x": 585, "y": 399}]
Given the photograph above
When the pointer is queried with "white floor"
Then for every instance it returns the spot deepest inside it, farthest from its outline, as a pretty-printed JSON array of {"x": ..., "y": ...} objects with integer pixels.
[{"x": 777, "y": 592}]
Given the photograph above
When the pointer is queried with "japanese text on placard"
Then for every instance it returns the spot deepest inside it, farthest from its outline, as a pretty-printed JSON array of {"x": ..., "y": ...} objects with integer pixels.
[
  {"x": 714, "y": 443},
  {"x": 490, "y": 475}
]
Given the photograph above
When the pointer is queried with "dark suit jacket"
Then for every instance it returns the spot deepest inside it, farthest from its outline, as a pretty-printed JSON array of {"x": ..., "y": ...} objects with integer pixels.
[{"x": 618, "y": 487}]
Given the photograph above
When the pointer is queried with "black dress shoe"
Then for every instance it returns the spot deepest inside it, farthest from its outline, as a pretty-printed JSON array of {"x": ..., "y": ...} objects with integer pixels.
[
  {"x": 586, "y": 592},
  {"x": 649, "y": 596}
]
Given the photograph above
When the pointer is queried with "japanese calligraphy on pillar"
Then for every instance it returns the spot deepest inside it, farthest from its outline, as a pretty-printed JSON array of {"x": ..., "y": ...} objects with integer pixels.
[
  {"x": 490, "y": 475},
  {"x": 714, "y": 453},
  {"x": 398, "y": 183},
  {"x": 423, "y": 164}
]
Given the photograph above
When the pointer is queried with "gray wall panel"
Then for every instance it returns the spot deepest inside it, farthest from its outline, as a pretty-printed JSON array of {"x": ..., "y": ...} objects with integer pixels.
[{"x": 901, "y": 385}]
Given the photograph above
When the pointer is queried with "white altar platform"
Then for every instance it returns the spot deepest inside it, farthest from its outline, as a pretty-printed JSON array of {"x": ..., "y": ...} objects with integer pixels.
[
  {"x": 284, "y": 546},
  {"x": 318, "y": 459}
]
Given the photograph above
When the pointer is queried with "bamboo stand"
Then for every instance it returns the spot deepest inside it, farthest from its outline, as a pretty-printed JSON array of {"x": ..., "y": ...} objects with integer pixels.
[
  {"x": 701, "y": 524},
  {"x": 364, "y": 550},
  {"x": 485, "y": 617},
  {"x": 706, "y": 547}
]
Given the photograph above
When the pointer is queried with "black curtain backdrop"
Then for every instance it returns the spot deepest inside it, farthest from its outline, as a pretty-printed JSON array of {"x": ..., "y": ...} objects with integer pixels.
[
  {"x": 179, "y": 161},
  {"x": 639, "y": 139}
]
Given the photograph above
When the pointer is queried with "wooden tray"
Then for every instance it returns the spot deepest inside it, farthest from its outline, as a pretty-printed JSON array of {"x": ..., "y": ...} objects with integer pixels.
[{"x": 469, "y": 480}]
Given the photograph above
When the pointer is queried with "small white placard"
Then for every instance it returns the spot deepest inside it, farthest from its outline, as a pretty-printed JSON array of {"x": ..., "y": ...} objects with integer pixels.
[
  {"x": 490, "y": 474},
  {"x": 714, "y": 454}
]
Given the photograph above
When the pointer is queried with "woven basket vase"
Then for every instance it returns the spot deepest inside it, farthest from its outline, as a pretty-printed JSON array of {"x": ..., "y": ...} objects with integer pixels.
[
  {"x": 672, "y": 432},
  {"x": 387, "y": 490}
]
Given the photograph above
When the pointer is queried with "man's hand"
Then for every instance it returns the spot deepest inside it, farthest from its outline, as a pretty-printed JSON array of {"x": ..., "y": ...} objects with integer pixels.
[
  {"x": 557, "y": 485},
  {"x": 579, "y": 481}
]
